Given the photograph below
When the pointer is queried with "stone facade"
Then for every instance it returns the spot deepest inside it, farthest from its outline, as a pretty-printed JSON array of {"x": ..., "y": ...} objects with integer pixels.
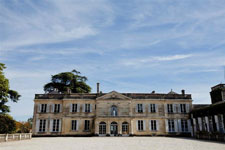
[{"x": 111, "y": 114}]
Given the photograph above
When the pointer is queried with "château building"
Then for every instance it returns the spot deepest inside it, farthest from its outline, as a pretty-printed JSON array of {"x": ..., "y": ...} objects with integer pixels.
[{"x": 111, "y": 114}]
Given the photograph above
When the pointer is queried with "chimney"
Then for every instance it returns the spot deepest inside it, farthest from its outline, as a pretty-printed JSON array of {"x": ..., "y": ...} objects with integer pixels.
[
  {"x": 183, "y": 92},
  {"x": 97, "y": 87}
]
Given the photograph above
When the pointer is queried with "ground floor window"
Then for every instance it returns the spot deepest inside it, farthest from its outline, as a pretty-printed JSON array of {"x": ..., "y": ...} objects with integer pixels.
[
  {"x": 184, "y": 125},
  {"x": 125, "y": 128},
  {"x": 140, "y": 125},
  {"x": 42, "y": 125},
  {"x": 171, "y": 125},
  {"x": 74, "y": 125},
  {"x": 102, "y": 128},
  {"x": 55, "y": 125},
  {"x": 153, "y": 125},
  {"x": 87, "y": 125}
]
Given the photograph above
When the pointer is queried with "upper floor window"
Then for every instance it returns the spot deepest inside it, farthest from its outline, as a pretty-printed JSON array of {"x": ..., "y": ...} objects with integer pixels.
[
  {"x": 170, "y": 108},
  {"x": 74, "y": 107},
  {"x": 87, "y": 107},
  {"x": 57, "y": 108},
  {"x": 114, "y": 111},
  {"x": 183, "y": 108},
  {"x": 153, "y": 108},
  {"x": 43, "y": 108},
  {"x": 140, "y": 108}
]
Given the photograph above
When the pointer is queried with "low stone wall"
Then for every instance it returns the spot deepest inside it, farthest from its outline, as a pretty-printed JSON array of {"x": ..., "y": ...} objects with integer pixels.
[
  {"x": 211, "y": 136},
  {"x": 15, "y": 137}
]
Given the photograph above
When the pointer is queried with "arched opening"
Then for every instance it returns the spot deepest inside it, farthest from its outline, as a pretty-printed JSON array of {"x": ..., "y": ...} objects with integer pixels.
[
  {"x": 114, "y": 111},
  {"x": 125, "y": 128},
  {"x": 102, "y": 128},
  {"x": 114, "y": 128}
]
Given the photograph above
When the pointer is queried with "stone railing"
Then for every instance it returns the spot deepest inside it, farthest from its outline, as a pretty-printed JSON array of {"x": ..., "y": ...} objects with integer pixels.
[{"x": 15, "y": 137}]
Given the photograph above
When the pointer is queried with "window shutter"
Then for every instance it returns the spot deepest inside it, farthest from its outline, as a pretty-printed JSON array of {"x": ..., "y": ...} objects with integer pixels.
[
  {"x": 167, "y": 126},
  {"x": 217, "y": 122},
  {"x": 83, "y": 108},
  {"x": 143, "y": 107},
  {"x": 136, "y": 108},
  {"x": 157, "y": 125},
  {"x": 137, "y": 125},
  {"x": 144, "y": 125},
  {"x": 179, "y": 125},
  {"x": 150, "y": 125},
  {"x": 179, "y": 108},
  {"x": 90, "y": 107},
  {"x": 61, "y": 107},
  {"x": 60, "y": 125},
  {"x": 156, "y": 107},
  {"x": 174, "y": 108},
  {"x": 71, "y": 107},
  {"x": 51, "y": 125},
  {"x": 39, "y": 108},
  {"x": 46, "y": 125},
  {"x": 165, "y": 108},
  {"x": 200, "y": 123},
  {"x": 37, "y": 125},
  {"x": 187, "y": 108},
  {"x": 78, "y": 107},
  {"x": 175, "y": 125},
  {"x": 189, "y": 125},
  {"x": 77, "y": 125},
  {"x": 53, "y": 107},
  {"x": 149, "y": 108},
  {"x": 48, "y": 107}
]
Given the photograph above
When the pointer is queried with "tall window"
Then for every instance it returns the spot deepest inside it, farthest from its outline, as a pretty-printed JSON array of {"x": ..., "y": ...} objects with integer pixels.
[
  {"x": 152, "y": 108},
  {"x": 42, "y": 125},
  {"x": 87, "y": 107},
  {"x": 57, "y": 108},
  {"x": 74, "y": 107},
  {"x": 74, "y": 125},
  {"x": 140, "y": 108},
  {"x": 125, "y": 127},
  {"x": 153, "y": 125},
  {"x": 184, "y": 125},
  {"x": 170, "y": 108},
  {"x": 87, "y": 125},
  {"x": 55, "y": 127},
  {"x": 183, "y": 108},
  {"x": 140, "y": 125},
  {"x": 43, "y": 108},
  {"x": 114, "y": 111},
  {"x": 220, "y": 121},
  {"x": 102, "y": 128},
  {"x": 171, "y": 125}
]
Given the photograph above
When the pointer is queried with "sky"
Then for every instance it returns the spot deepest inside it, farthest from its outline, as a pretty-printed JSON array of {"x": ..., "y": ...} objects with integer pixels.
[{"x": 126, "y": 45}]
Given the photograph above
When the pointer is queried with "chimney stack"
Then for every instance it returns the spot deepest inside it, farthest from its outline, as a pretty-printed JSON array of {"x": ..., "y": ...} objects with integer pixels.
[
  {"x": 183, "y": 92},
  {"x": 98, "y": 88}
]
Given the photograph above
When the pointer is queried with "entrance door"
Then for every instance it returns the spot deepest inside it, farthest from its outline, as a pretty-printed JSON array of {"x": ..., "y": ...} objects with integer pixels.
[
  {"x": 125, "y": 128},
  {"x": 114, "y": 128}
]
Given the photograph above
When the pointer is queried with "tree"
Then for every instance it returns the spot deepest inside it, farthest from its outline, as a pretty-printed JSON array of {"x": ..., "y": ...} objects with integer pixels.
[
  {"x": 24, "y": 127},
  {"x": 7, "y": 124},
  {"x": 68, "y": 80},
  {"x": 5, "y": 92}
]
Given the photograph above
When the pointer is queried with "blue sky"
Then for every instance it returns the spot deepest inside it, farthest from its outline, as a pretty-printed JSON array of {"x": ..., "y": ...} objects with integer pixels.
[{"x": 126, "y": 45}]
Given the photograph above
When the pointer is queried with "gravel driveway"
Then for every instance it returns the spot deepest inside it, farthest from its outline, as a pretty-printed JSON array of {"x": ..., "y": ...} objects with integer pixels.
[{"x": 112, "y": 143}]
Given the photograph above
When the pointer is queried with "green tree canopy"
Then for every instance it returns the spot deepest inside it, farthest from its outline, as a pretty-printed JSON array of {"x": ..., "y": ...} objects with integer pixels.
[
  {"x": 5, "y": 92},
  {"x": 68, "y": 80},
  {"x": 7, "y": 124}
]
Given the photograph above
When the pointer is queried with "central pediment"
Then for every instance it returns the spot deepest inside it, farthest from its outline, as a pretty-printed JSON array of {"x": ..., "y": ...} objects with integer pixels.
[{"x": 113, "y": 96}]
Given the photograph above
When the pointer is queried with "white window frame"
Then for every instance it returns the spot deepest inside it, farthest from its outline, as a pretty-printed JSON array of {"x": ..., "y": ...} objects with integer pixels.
[
  {"x": 140, "y": 108},
  {"x": 171, "y": 125}
]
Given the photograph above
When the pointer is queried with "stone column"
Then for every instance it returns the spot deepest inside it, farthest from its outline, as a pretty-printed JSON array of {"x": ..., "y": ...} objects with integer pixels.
[
  {"x": 108, "y": 128},
  {"x": 207, "y": 123}
]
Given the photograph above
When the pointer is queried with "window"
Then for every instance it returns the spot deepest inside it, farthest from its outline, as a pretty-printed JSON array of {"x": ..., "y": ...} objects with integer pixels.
[
  {"x": 57, "y": 108},
  {"x": 74, "y": 107},
  {"x": 74, "y": 125},
  {"x": 153, "y": 125},
  {"x": 220, "y": 121},
  {"x": 86, "y": 125},
  {"x": 140, "y": 125},
  {"x": 87, "y": 107},
  {"x": 42, "y": 125},
  {"x": 183, "y": 108},
  {"x": 125, "y": 127},
  {"x": 140, "y": 108},
  {"x": 43, "y": 108},
  {"x": 113, "y": 111},
  {"x": 184, "y": 125},
  {"x": 170, "y": 108},
  {"x": 55, "y": 127},
  {"x": 153, "y": 108},
  {"x": 102, "y": 128},
  {"x": 171, "y": 125}
]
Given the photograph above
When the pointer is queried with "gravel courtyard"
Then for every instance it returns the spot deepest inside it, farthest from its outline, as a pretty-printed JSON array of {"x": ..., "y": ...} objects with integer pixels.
[{"x": 112, "y": 143}]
